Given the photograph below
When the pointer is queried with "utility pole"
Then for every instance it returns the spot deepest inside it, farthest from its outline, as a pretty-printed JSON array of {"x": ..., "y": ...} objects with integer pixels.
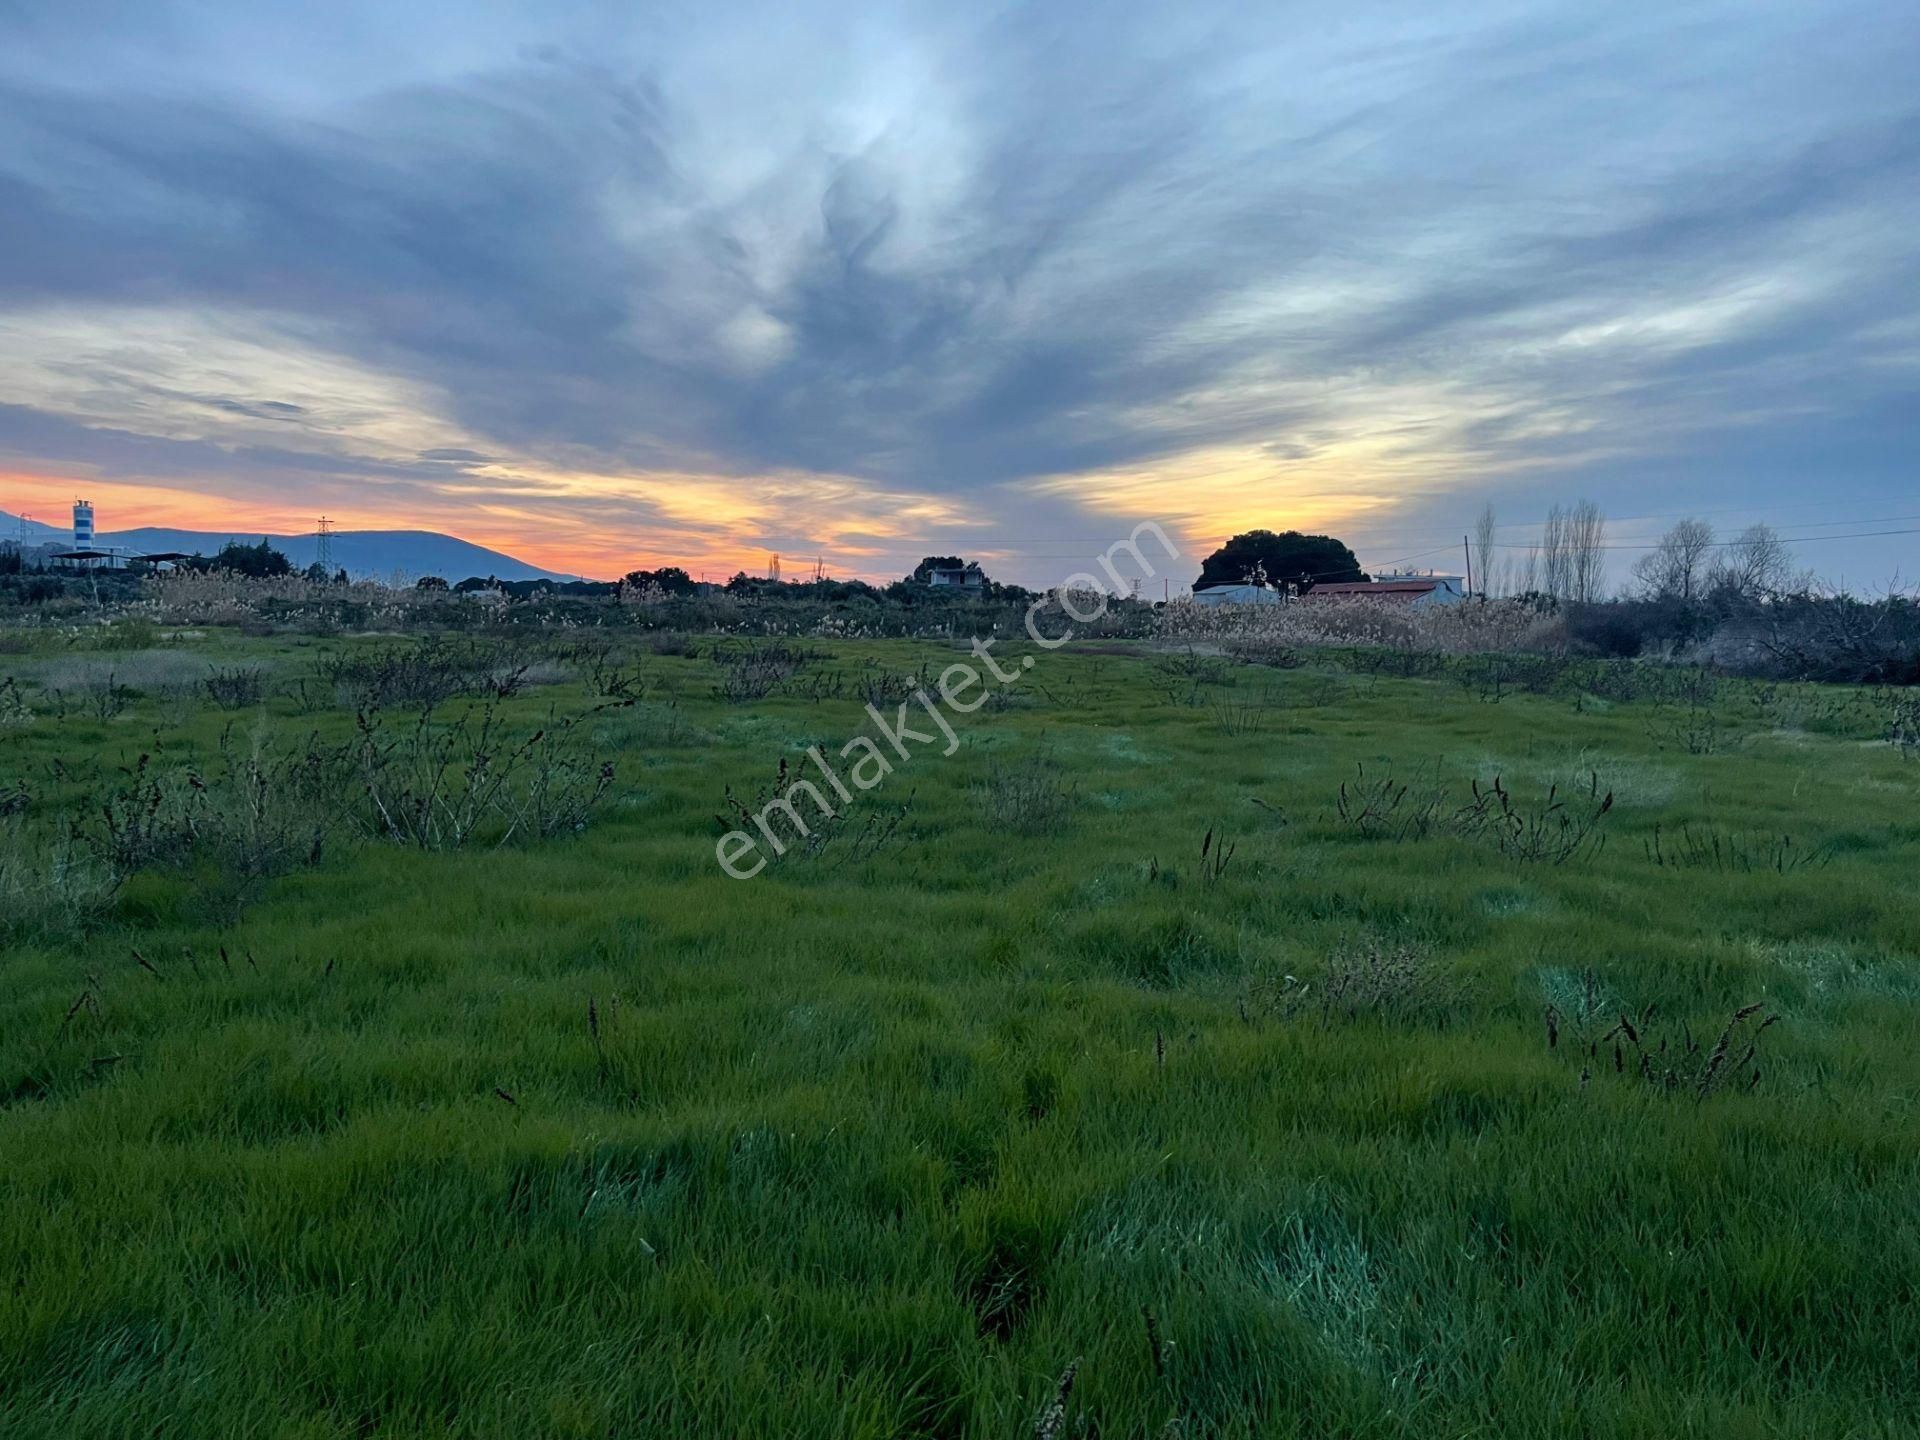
[{"x": 1468, "y": 543}]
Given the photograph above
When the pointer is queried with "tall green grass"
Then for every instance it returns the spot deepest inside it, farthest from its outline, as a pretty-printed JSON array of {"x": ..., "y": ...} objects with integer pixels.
[{"x": 578, "y": 1136}]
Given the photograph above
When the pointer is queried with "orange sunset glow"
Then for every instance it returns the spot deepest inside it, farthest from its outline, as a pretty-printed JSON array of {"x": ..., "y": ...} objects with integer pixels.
[{"x": 724, "y": 303}]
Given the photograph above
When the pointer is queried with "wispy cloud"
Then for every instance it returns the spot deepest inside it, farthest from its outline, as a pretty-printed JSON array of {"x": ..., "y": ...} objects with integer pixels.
[{"x": 841, "y": 279}]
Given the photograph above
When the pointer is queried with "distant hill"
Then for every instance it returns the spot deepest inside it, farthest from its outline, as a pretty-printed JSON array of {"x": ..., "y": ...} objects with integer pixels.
[
  {"x": 36, "y": 533},
  {"x": 403, "y": 555}
]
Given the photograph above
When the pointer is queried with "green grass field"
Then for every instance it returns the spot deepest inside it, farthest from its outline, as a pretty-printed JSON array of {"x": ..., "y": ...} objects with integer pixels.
[{"x": 577, "y": 1136}]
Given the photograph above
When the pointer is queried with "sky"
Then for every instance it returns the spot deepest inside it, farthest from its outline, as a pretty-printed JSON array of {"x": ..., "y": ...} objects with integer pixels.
[{"x": 621, "y": 285}]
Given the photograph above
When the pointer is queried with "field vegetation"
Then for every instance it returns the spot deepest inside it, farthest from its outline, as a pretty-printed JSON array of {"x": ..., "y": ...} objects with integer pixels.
[{"x": 1242, "y": 1033}]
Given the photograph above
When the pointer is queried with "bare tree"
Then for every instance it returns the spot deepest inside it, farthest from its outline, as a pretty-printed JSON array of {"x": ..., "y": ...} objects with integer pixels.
[
  {"x": 1554, "y": 559},
  {"x": 1755, "y": 564},
  {"x": 1821, "y": 633},
  {"x": 1526, "y": 573},
  {"x": 1483, "y": 552},
  {"x": 1676, "y": 568},
  {"x": 1570, "y": 561},
  {"x": 1586, "y": 552}
]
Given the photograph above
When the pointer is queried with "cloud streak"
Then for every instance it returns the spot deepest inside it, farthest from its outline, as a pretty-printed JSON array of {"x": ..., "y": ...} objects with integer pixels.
[{"x": 788, "y": 277}]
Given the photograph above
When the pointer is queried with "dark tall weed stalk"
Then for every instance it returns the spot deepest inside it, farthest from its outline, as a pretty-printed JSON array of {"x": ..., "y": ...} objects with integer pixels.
[
  {"x": 1553, "y": 831},
  {"x": 843, "y": 832},
  {"x": 1669, "y": 1058},
  {"x": 1214, "y": 859},
  {"x": 1384, "y": 806},
  {"x": 1236, "y": 715},
  {"x": 1707, "y": 847}
]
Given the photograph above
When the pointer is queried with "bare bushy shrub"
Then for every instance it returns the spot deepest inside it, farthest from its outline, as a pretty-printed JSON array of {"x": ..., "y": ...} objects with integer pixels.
[
  {"x": 886, "y": 686},
  {"x": 1028, "y": 798},
  {"x": 93, "y": 690},
  {"x": 441, "y": 785},
  {"x": 238, "y": 687},
  {"x": 15, "y": 713},
  {"x": 1694, "y": 729},
  {"x": 1838, "y": 637},
  {"x": 254, "y": 812},
  {"x": 273, "y": 811},
  {"x": 1497, "y": 674},
  {"x": 150, "y": 816},
  {"x": 843, "y": 834},
  {"x": 1903, "y": 723},
  {"x": 1398, "y": 983},
  {"x": 750, "y": 671},
  {"x": 610, "y": 671},
  {"x": 1383, "y": 805},
  {"x": 426, "y": 672}
]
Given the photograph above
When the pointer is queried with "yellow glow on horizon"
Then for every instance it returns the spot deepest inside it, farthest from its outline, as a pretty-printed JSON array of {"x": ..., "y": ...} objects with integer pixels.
[
  {"x": 716, "y": 523},
  {"x": 1211, "y": 493},
  {"x": 603, "y": 526},
  {"x": 1373, "y": 445}
]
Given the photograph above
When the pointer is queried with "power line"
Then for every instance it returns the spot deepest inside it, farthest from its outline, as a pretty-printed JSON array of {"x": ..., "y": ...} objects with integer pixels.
[
  {"x": 1724, "y": 544},
  {"x": 1629, "y": 520}
]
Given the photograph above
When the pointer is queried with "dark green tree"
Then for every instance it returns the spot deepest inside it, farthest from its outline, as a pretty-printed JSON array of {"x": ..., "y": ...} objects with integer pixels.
[
  {"x": 1286, "y": 558},
  {"x": 670, "y": 578},
  {"x": 261, "y": 561}
]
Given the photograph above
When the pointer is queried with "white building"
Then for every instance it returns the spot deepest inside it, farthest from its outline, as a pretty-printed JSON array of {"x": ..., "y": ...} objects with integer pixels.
[
  {"x": 1416, "y": 592},
  {"x": 1241, "y": 594},
  {"x": 964, "y": 577},
  {"x": 88, "y": 554}
]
